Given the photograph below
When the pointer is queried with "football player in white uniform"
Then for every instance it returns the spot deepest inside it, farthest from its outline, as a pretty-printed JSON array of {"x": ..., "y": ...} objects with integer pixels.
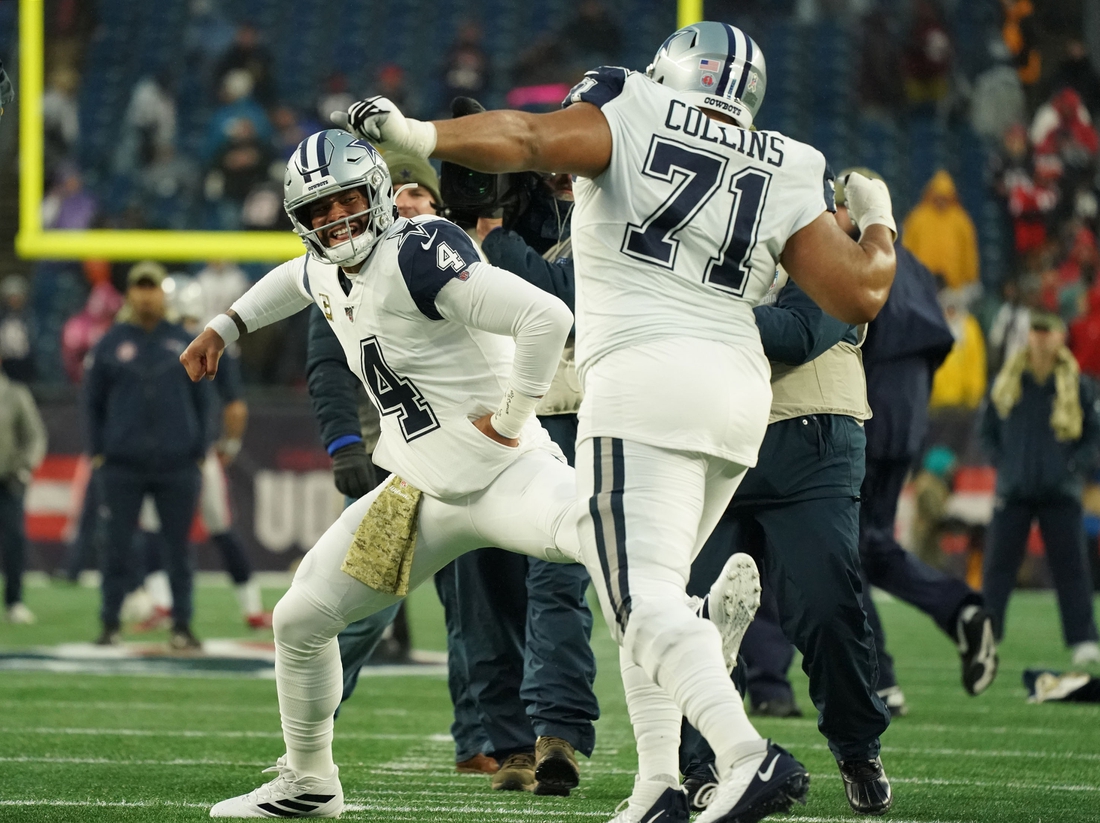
[
  {"x": 454, "y": 353},
  {"x": 682, "y": 214}
]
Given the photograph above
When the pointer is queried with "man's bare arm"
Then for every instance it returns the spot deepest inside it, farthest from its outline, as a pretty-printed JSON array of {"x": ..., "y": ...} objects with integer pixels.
[
  {"x": 576, "y": 140},
  {"x": 849, "y": 280}
]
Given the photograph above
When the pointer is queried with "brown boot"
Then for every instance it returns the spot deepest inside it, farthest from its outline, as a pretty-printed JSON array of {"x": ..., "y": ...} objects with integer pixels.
[
  {"x": 478, "y": 764},
  {"x": 556, "y": 767},
  {"x": 517, "y": 773}
]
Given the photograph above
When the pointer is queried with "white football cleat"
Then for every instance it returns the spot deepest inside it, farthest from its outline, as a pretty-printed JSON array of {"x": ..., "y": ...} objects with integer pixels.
[
  {"x": 759, "y": 786},
  {"x": 287, "y": 796},
  {"x": 20, "y": 615},
  {"x": 1086, "y": 653},
  {"x": 733, "y": 601},
  {"x": 653, "y": 801}
]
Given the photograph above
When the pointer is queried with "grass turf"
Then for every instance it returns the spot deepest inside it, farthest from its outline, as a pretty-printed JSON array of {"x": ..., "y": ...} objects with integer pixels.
[{"x": 95, "y": 748}]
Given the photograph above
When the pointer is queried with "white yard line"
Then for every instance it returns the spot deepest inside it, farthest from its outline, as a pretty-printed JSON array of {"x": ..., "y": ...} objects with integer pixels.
[
  {"x": 433, "y": 738},
  {"x": 965, "y": 752}
]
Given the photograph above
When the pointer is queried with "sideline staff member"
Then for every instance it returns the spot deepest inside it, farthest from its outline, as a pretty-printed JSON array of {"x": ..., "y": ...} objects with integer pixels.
[{"x": 147, "y": 426}]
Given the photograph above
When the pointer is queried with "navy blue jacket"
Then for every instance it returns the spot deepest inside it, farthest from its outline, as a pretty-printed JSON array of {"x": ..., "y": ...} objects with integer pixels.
[
  {"x": 905, "y": 345},
  {"x": 806, "y": 457},
  {"x": 1030, "y": 463},
  {"x": 141, "y": 409},
  {"x": 333, "y": 388}
]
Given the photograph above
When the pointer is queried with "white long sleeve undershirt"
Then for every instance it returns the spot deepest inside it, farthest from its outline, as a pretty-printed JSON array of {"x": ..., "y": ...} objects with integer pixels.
[{"x": 497, "y": 301}]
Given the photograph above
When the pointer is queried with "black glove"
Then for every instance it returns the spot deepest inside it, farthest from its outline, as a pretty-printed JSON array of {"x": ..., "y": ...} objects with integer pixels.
[{"x": 352, "y": 470}]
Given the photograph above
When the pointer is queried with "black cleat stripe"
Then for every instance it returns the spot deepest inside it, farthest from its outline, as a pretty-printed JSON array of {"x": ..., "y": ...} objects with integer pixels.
[
  {"x": 298, "y": 807},
  {"x": 315, "y": 798},
  {"x": 275, "y": 810}
]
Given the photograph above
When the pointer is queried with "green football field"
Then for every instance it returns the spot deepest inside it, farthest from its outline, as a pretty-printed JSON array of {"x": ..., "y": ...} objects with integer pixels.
[{"x": 103, "y": 747}]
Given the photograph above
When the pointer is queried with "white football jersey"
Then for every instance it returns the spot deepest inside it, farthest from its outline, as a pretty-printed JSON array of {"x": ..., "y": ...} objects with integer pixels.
[
  {"x": 681, "y": 234},
  {"x": 428, "y": 376}
]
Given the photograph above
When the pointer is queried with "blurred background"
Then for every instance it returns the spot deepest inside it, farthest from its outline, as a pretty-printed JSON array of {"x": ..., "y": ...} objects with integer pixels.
[{"x": 181, "y": 114}]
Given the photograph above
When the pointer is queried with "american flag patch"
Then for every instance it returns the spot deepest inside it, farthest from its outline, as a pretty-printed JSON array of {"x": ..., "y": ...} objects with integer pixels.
[{"x": 710, "y": 65}]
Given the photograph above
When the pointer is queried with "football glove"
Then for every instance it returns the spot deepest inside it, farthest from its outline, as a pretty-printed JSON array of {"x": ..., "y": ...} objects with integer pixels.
[
  {"x": 378, "y": 120},
  {"x": 869, "y": 202},
  {"x": 352, "y": 470}
]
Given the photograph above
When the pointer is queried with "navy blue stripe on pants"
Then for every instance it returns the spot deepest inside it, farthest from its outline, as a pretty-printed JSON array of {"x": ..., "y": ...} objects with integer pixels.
[{"x": 609, "y": 522}]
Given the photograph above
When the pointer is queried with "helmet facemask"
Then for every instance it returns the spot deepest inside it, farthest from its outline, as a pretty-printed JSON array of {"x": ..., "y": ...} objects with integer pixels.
[{"x": 353, "y": 165}]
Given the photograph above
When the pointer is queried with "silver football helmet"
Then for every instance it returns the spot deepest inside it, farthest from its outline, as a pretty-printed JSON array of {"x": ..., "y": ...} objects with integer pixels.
[
  {"x": 185, "y": 300},
  {"x": 332, "y": 161},
  {"x": 716, "y": 66}
]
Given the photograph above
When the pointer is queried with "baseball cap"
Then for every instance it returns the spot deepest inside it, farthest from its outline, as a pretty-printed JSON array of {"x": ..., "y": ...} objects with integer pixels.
[
  {"x": 146, "y": 270},
  {"x": 408, "y": 168},
  {"x": 1046, "y": 321},
  {"x": 841, "y": 200}
]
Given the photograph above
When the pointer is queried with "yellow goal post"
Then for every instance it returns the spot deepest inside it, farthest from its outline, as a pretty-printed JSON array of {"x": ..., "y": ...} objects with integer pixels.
[{"x": 34, "y": 241}]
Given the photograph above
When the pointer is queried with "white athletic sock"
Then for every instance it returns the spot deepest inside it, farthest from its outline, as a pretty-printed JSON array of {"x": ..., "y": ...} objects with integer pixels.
[
  {"x": 309, "y": 678},
  {"x": 248, "y": 596},
  {"x": 656, "y": 720},
  {"x": 159, "y": 589}
]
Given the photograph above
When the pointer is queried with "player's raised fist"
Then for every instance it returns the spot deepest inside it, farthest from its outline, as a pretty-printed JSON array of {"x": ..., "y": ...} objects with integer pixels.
[
  {"x": 868, "y": 202},
  {"x": 378, "y": 120},
  {"x": 202, "y": 356}
]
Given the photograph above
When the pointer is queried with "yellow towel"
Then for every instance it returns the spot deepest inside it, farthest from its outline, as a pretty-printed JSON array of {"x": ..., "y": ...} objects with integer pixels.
[{"x": 381, "y": 552}]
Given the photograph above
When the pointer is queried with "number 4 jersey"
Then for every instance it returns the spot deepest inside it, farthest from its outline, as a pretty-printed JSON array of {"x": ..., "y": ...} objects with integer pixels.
[
  {"x": 431, "y": 362},
  {"x": 681, "y": 234}
]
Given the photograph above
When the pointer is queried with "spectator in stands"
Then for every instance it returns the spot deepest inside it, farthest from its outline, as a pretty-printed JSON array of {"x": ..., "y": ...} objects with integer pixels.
[
  {"x": 334, "y": 97},
  {"x": 149, "y": 125},
  {"x": 941, "y": 234},
  {"x": 997, "y": 101},
  {"x": 1077, "y": 72},
  {"x": 22, "y": 447},
  {"x": 237, "y": 104},
  {"x": 7, "y": 90},
  {"x": 248, "y": 53},
  {"x": 592, "y": 35},
  {"x": 16, "y": 330},
  {"x": 60, "y": 118},
  {"x": 1029, "y": 191},
  {"x": 927, "y": 57},
  {"x": 390, "y": 82},
  {"x": 1062, "y": 129},
  {"x": 1008, "y": 333},
  {"x": 1021, "y": 35},
  {"x": 168, "y": 189},
  {"x": 242, "y": 164},
  {"x": 958, "y": 386},
  {"x": 1042, "y": 430},
  {"x": 148, "y": 430},
  {"x": 1084, "y": 337},
  {"x": 467, "y": 71},
  {"x": 67, "y": 204},
  {"x": 86, "y": 328},
  {"x": 289, "y": 131},
  {"x": 880, "y": 80}
]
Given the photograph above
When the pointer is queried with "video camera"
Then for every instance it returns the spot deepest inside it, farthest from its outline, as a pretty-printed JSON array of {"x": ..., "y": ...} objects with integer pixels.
[{"x": 470, "y": 194}]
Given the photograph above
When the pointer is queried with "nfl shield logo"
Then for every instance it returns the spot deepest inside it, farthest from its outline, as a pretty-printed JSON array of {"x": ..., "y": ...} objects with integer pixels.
[{"x": 349, "y": 311}]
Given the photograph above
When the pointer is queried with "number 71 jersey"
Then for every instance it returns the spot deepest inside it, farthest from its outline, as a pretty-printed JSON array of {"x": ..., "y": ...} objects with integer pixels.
[{"x": 680, "y": 236}]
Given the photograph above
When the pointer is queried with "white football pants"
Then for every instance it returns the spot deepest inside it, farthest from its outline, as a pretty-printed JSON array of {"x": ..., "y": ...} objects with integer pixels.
[
  {"x": 644, "y": 514},
  {"x": 529, "y": 508}
]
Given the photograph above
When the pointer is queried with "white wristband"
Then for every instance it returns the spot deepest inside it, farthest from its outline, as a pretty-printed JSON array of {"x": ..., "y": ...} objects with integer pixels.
[
  {"x": 421, "y": 138},
  {"x": 515, "y": 410},
  {"x": 225, "y": 327}
]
